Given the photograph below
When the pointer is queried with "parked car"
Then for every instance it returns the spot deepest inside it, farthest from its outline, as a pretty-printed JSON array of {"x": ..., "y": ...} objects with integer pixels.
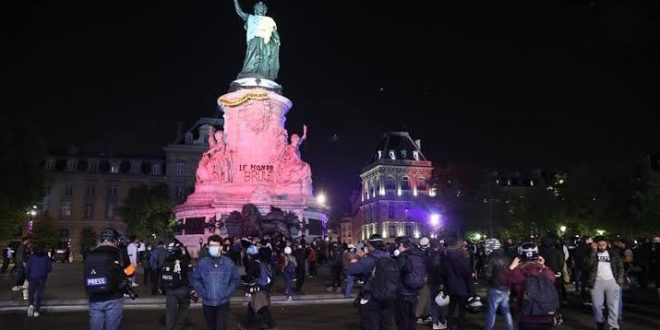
[{"x": 62, "y": 253}]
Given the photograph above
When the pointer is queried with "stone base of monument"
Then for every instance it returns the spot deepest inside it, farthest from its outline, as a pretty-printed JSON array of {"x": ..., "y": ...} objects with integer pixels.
[{"x": 254, "y": 161}]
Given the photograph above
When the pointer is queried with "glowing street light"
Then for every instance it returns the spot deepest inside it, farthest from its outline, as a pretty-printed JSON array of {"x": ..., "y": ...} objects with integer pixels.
[
  {"x": 320, "y": 198},
  {"x": 434, "y": 219},
  {"x": 477, "y": 236},
  {"x": 562, "y": 229},
  {"x": 600, "y": 232}
]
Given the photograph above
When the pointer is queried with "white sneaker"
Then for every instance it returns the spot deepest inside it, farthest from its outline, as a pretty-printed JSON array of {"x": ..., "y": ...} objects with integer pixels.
[
  {"x": 17, "y": 288},
  {"x": 36, "y": 314},
  {"x": 439, "y": 326},
  {"x": 30, "y": 311}
]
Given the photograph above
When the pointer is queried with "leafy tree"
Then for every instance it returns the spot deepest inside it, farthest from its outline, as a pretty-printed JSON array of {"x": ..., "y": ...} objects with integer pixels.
[
  {"x": 45, "y": 233},
  {"x": 648, "y": 212},
  {"x": 22, "y": 174},
  {"x": 147, "y": 211}
]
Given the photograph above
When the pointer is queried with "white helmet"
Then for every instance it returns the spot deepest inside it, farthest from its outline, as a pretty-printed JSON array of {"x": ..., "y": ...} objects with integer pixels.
[
  {"x": 287, "y": 250},
  {"x": 424, "y": 242},
  {"x": 442, "y": 299},
  {"x": 475, "y": 302}
]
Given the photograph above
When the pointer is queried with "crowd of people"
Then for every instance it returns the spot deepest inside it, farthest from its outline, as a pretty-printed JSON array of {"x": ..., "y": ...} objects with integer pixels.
[{"x": 408, "y": 282}]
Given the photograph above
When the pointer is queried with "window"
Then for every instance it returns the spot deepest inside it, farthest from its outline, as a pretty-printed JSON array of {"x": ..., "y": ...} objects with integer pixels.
[
  {"x": 65, "y": 210},
  {"x": 135, "y": 167},
  {"x": 91, "y": 190},
  {"x": 409, "y": 231},
  {"x": 404, "y": 154},
  {"x": 89, "y": 210},
  {"x": 180, "y": 169},
  {"x": 112, "y": 190},
  {"x": 64, "y": 233},
  {"x": 421, "y": 184},
  {"x": 68, "y": 189},
  {"x": 50, "y": 165},
  {"x": 392, "y": 155},
  {"x": 70, "y": 166},
  {"x": 391, "y": 230},
  {"x": 179, "y": 192},
  {"x": 110, "y": 210},
  {"x": 390, "y": 184},
  {"x": 114, "y": 168},
  {"x": 391, "y": 211},
  {"x": 155, "y": 169},
  {"x": 405, "y": 183},
  {"x": 416, "y": 155},
  {"x": 189, "y": 138}
]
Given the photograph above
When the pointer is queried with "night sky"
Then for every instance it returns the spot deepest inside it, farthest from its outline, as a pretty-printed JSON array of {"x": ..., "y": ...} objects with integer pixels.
[{"x": 508, "y": 84}]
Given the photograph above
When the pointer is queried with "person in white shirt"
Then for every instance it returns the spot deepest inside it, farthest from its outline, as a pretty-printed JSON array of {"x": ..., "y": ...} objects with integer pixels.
[
  {"x": 132, "y": 250},
  {"x": 605, "y": 280}
]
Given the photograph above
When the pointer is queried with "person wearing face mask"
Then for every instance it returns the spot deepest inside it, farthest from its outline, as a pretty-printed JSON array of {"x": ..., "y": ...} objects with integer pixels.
[{"x": 214, "y": 280}]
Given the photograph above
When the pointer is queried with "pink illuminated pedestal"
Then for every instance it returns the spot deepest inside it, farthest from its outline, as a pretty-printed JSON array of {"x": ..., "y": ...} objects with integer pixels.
[{"x": 253, "y": 161}]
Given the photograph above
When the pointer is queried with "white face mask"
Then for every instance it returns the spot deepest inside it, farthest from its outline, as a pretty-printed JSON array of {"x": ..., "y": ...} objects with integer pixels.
[
  {"x": 214, "y": 251},
  {"x": 397, "y": 252}
]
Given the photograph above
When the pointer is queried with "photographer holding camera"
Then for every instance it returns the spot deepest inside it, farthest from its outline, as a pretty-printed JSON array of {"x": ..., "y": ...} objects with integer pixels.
[
  {"x": 174, "y": 277},
  {"x": 536, "y": 298},
  {"x": 106, "y": 270}
]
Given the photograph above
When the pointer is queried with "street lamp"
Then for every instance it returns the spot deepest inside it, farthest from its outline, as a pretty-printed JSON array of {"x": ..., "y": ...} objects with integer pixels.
[
  {"x": 434, "y": 219},
  {"x": 320, "y": 199},
  {"x": 562, "y": 229},
  {"x": 600, "y": 232}
]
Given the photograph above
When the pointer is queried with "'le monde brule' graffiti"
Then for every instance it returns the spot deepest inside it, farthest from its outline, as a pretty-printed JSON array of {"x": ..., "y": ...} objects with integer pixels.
[{"x": 257, "y": 173}]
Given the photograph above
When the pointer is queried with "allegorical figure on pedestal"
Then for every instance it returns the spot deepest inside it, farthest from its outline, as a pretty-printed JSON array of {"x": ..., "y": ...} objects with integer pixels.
[
  {"x": 292, "y": 169},
  {"x": 215, "y": 164},
  {"x": 262, "y": 56}
]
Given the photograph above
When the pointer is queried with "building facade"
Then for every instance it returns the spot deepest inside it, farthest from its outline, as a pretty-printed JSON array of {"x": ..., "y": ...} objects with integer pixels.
[
  {"x": 183, "y": 156},
  {"x": 396, "y": 198},
  {"x": 87, "y": 189}
]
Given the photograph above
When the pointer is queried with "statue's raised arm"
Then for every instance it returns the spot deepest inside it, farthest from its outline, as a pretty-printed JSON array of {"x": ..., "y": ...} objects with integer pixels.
[{"x": 240, "y": 11}]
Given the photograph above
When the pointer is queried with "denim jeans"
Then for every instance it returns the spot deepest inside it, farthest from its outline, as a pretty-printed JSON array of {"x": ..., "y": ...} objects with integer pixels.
[
  {"x": 36, "y": 288},
  {"x": 216, "y": 316},
  {"x": 498, "y": 298},
  {"x": 106, "y": 314},
  {"x": 349, "y": 285},
  {"x": 288, "y": 275},
  {"x": 437, "y": 313}
]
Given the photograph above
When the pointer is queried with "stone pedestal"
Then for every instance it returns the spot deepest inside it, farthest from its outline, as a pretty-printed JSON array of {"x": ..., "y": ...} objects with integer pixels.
[{"x": 253, "y": 161}]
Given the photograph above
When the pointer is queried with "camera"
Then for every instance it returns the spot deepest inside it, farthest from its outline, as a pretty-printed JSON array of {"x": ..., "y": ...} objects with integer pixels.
[{"x": 126, "y": 288}]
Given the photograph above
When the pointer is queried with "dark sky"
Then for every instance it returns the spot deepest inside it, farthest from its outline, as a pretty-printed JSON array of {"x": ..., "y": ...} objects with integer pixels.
[{"x": 488, "y": 83}]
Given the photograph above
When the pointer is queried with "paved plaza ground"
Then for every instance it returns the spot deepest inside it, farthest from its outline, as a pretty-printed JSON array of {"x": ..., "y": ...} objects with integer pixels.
[{"x": 317, "y": 309}]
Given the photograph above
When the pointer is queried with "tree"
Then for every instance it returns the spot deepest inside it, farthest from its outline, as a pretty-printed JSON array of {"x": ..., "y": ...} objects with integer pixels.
[
  {"x": 22, "y": 173},
  {"x": 147, "y": 211},
  {"x": 45, "y": 233},
  {"x": 649, "y": 206}
]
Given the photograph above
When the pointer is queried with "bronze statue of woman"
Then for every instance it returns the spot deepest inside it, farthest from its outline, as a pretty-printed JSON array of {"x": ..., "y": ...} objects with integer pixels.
[{"x": 262, "y": 56}]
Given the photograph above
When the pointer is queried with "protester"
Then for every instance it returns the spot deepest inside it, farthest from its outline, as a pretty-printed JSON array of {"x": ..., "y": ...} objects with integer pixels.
[
  {"x": 605, "y": 280},
  {"x": 36, "y": 271}
]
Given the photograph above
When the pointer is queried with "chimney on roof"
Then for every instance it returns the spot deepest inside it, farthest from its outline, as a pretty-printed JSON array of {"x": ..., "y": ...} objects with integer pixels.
[
  {"x": 179, "y": 130},
  {"x": 419, "y": 144}
]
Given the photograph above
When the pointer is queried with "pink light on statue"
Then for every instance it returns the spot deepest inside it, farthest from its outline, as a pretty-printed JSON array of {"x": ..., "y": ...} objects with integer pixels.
[{"x": 435, "y": 219}]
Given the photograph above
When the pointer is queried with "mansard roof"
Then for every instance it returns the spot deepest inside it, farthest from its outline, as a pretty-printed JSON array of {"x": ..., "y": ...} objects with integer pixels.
[
  {"x": 398, "y": 148},
  {"x": 218, "y": 123}
]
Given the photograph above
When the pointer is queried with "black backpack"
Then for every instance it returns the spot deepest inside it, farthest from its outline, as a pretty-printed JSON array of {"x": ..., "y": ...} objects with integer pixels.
[
  {"x": 385, "y": 278},
  {"x": 265, "y": 274},
  {"x": 540, "y": 298},
  {"x": 414, "y": 278},
  {"x": 103, "y": 272},
  {"x": 173, "y": 275}
]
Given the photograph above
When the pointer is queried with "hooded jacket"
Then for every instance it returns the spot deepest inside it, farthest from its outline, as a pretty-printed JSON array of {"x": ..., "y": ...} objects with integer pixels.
[
  {"x": 407, "y": 264},
  {"x": 498, "y": 261},
  {"x": 553, "y": 258},
  {"x": 456, "y": 272},
  {"x": 363, "y": 269}
]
